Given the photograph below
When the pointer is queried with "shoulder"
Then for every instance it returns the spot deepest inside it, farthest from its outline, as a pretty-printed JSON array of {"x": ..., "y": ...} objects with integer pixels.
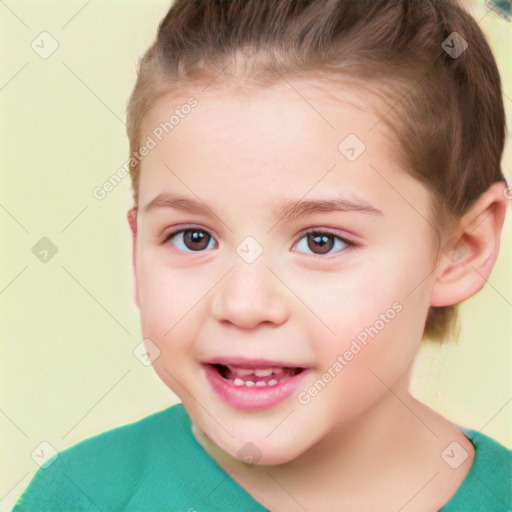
[
  {"x": 101, "y": 471},
  {"x": 488, "y": 484},
  {"x": 490, "y": 451},
  {"x": 128, "y": 443},
  {"x": 152, "y": 464}
]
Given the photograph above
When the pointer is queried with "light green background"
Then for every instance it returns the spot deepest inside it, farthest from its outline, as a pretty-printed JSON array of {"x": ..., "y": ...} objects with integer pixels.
[{"x": 69, "y": 326}]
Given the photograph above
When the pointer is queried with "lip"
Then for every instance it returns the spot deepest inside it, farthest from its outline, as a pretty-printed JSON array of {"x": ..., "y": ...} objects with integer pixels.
[
  {"x": 253, "y": 363},
  {"x": 252, "y": 398}
]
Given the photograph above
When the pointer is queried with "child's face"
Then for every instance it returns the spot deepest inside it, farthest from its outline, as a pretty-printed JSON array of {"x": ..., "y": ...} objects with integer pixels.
[{"x": 209, "y": 295}]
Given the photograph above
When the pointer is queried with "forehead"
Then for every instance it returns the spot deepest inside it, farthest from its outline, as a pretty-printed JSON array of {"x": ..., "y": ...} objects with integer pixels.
[
  {"x": 293, "y": 138},
  {"x": 302, "y": 116},
  {"x": 295, "y": 99}
]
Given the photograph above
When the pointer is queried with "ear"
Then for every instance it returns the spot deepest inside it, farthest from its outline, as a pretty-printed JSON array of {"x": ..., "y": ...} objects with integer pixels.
[
  {"x": 465, "y": 261},
  {"x": 132, "y": 221}
]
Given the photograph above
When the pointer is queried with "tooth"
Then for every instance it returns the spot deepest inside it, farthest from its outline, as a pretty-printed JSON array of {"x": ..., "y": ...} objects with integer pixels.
[
  {"x": 240, "y": 371},
  {"x": 249, "y": 383},
  {"x": 272, "y": 382},
  {"x": 263, "y": 372},
  {"x": 238, "y": 382},
  {"x": 261, "y": 383}
]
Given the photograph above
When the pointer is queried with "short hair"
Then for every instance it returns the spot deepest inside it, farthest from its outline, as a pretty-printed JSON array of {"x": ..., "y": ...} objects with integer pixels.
[{"x": 426, "y": 60}]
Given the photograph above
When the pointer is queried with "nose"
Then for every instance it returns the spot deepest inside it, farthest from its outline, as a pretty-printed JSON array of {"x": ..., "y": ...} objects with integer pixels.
[{"x": 250, "y": 294}]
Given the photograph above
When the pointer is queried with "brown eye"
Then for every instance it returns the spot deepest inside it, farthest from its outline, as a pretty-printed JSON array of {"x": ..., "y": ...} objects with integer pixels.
[
  {"x": 320, "y": 243},
  {"x": 195, "y": 239},
  {"x": 190, "y": 240}
]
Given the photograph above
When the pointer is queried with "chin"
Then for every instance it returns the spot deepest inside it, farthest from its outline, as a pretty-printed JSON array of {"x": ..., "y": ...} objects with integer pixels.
[{"x": 262, "y": 453}]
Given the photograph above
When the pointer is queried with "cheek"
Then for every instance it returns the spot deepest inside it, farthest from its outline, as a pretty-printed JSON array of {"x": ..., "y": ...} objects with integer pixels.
[
  {"x": 166, "y": 297},
  {"x": 355, "y": 298},
  {"x": 375, "y": 314},
  {"x": 167, "y": 303},
  {"x": 357, "y": 367}
]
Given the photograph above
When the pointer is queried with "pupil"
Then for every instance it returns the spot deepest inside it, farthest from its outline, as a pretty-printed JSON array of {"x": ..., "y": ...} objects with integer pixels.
[
  {"x": 324, "y": 242},
  {"x": 196, "y": 237}
]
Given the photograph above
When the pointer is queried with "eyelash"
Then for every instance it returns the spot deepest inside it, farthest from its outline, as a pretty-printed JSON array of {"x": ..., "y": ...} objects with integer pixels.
[{"x": 348, "y": 243}]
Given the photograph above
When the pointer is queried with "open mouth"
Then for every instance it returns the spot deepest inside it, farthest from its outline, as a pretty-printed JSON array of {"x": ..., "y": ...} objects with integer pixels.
[
  {"x": 258, "y": 377},
  {"x": 253, "y": 384}
]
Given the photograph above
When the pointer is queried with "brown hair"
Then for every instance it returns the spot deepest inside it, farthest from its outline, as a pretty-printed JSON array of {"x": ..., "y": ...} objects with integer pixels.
[{"x": 443, "y": 100}]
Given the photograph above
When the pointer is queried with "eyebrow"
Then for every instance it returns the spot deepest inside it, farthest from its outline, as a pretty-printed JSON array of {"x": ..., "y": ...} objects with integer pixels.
[{"x": 288, "y": 211}]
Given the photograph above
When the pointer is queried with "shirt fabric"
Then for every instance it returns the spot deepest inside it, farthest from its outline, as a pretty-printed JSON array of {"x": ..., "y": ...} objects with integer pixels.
[{"x": 156, "y": 464}]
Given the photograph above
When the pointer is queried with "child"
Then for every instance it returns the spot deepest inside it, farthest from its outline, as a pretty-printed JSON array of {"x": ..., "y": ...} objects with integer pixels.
[{"x": 337, "y": 165}]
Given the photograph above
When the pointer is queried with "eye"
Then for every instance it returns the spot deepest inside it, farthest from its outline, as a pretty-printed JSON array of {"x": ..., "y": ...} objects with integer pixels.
[
  {"x": 190, "y": 240},
  {"x": 317, "y": 242},
  {"x": 321, "y": 242}
]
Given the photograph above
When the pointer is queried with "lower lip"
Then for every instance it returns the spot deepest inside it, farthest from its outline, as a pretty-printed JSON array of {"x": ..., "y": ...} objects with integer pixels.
[{"x": 252, "y": 398}]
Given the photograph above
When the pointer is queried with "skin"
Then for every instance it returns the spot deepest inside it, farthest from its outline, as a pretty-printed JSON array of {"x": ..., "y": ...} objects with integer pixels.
[{"x": 243, "y": 155}]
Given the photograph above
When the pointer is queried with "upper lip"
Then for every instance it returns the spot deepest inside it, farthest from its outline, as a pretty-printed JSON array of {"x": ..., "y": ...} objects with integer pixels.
[{"x": 243, "y": 362}]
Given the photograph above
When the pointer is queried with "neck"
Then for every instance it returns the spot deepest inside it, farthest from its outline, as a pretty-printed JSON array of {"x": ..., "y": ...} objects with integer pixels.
[{"x": 361, "y": 464}]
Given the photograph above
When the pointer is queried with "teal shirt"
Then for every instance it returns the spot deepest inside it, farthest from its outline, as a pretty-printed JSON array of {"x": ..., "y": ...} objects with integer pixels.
[{"x": 156, "y": 464}]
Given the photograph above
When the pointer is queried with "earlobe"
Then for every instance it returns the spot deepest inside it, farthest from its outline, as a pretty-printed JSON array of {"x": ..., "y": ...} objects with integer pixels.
[
  {"x": 131, "y": 215},
  {"x": 132, "y": 222},
  {"x": 467, "y": 258}
]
